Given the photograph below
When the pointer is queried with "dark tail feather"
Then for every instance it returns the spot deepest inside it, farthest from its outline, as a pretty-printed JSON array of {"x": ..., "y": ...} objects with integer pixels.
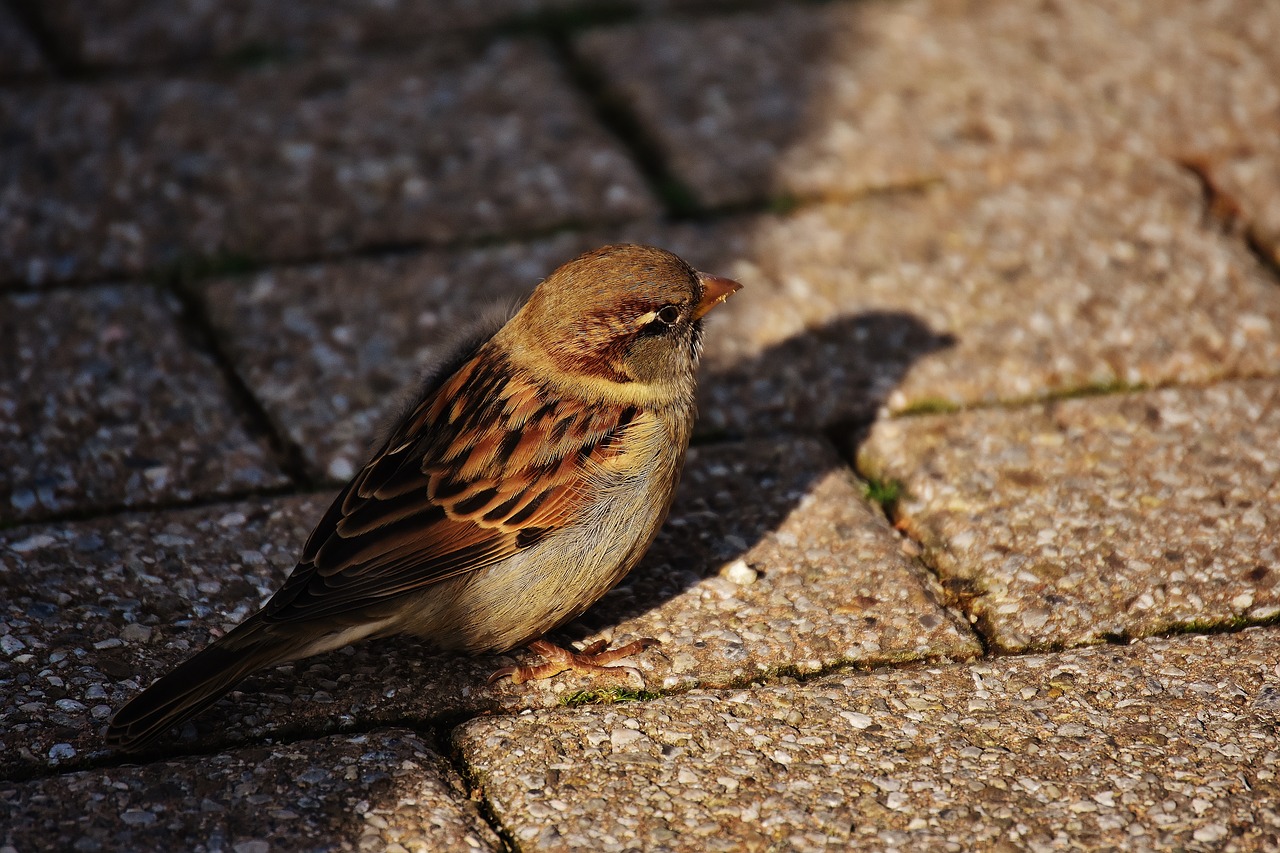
[{"x": 195, "y": 685}]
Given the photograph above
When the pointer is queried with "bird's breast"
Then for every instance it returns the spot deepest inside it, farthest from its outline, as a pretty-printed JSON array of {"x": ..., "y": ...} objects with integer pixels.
[{"x": 534, "y": 591}]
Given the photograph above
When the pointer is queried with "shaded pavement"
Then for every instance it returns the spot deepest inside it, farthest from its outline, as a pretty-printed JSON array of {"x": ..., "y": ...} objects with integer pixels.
[{"x": 978, "y": 546}]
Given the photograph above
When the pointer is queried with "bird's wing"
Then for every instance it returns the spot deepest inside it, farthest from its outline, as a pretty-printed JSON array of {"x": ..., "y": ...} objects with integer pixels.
[{"x": 486, "y": 465}]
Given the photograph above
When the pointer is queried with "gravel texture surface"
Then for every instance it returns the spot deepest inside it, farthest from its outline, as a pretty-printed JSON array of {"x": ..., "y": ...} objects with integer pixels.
[
  {"x": 1081, "y": 280},
  {"x": 1246, "y": 193},
  {"x": 847, "y": 97},
  {"x": 330, "y": 348},
  {"x": 104, "y": 403},
  {"x": 385, "y": 791},
  {"x": 973, "y": 236},
  {"x": 1077, "y": 281},
  {"x": 301, "y": 160},
  {"x": 19, "y": 55},
  {"x": 771, "y": 561},
  {"x": 129, "y": 32},
  {"x": 1162, "y": 745},
  {"x": 1070, "y": 522}
]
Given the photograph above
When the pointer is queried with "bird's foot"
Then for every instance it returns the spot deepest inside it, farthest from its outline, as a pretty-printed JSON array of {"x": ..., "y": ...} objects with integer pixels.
[{"x": 594, "y": 658}]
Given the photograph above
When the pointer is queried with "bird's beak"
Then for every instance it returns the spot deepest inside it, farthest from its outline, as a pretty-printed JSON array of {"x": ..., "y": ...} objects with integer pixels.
[{"x": 715, "y": 289}]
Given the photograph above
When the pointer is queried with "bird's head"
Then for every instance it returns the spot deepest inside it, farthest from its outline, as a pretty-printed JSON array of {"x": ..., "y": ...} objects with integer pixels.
[{"x": 624, "y": 321}]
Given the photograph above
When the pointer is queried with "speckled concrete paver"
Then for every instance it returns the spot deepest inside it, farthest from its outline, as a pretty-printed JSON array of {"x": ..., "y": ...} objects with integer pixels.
[
  {"x": 301, "y": 160},
  {"x": 1121, "y": 515},
  {"x": 129, "y": 32},
  {"x": 744, "y": 582},
  {"x": 103, "y": 403},
  {"x": 385, "y": 791},
  {"x": 329, "y": 348},
  {"x": 948, "y": 297},
  {"x": 1001, "y": 205},
  {"x": 1079, "y": 280},
  {"x": 1247, "y": 183},
  {"x": 95, "y": 610},
  {"x": 792, "y": 570},
  {"x": 851, "y": 96},
  {"x": 19, "y": 55},
  {"x": 1163, "y": 745}
]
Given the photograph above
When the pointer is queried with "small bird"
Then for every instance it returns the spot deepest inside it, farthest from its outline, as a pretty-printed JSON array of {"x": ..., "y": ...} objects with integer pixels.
[{"x": 529, "y": 473}]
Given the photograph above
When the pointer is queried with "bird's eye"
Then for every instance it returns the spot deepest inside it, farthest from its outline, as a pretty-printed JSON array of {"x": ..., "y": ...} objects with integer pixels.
[{"x": 669, "y": 314}]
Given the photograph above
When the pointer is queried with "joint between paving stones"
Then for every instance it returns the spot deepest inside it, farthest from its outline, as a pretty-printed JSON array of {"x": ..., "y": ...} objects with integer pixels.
[
  {"x": 927, "y": 408},
  {"x": 101, "y": 511},
  {"x": 1223, "y": 208},
  {"x": 612, "y": 111},
  {"x": 886, "y": 494},
  {"x": 29, "y": 15},
  {"x": 202, "y": 336},
  {"x": 472, "y": 784}
]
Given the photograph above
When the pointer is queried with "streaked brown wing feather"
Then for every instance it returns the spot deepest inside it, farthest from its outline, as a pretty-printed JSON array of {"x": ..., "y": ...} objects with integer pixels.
[{"x": 454, "y": 489}]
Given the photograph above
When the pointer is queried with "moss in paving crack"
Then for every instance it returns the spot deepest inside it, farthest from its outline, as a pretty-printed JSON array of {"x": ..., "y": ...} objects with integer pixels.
[
  {"x": 886, "y": 493},
  {"x": 1098, "y": 389},
  {"x": 930, "y": 406},
  {"x": 1226, "y": 625},
  {"x": 677, "y": 196},
  {"x": 606, "y": 696},
  {"x": 191, "y": 268},
  {"x": 781, "y": 205},
  {"x": 256, "y": 54}
]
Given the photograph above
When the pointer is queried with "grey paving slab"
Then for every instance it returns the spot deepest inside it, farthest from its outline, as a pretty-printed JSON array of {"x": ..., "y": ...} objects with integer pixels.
[
  {"x": 842, "y": 98},
  {"x": 130, "y": 32},
  {"x": 949, "y": 297},
  {"x": 19, "y": 55},
  {"x": 329, "y": 348},
  {"x": 388, "y": 790},
  {"x": 794, "y": 571},
  {"x": 301, "y": 160},
  {"x": 1071, "y": 522},
  {"x": 103, "y": 403},
  {"x": 1247, "y": 181},
  {"x": 771, "y": 562},
  {"x": 94, "y": 610},
  {"x": 1162, "y": 745}
]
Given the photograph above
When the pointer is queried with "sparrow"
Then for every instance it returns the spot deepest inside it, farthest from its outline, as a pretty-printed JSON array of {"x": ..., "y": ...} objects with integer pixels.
[{"x": 527, "y": 475}]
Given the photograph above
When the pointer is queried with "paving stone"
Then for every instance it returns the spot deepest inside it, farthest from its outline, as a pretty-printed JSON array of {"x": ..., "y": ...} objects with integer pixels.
[
  {"x": 383, "y": 791},
  {"x": 1071, "y": 522},
  {"x": 301, "y": 160},
  {"x": 102, "y": 403},
  {"x": 794, "y": 571},
  {"x": 129, "y": 32},
  {"x": 1247, "y": 183},
  {"x": 947, "y": 297},
  {"x": 843, "y": 98},
  {"x": 951, "y": 297},
  {"x": 19, "y": 55},
  {"x": 1162, "y": 745},
  {"x": 94, "y": 610},
  {"x": 329, "y": 348},
  {"x": 771, "y": 562}
]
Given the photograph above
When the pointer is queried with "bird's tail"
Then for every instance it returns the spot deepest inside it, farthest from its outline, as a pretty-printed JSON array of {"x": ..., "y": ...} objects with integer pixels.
[{"x": 196, "y": 684}]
